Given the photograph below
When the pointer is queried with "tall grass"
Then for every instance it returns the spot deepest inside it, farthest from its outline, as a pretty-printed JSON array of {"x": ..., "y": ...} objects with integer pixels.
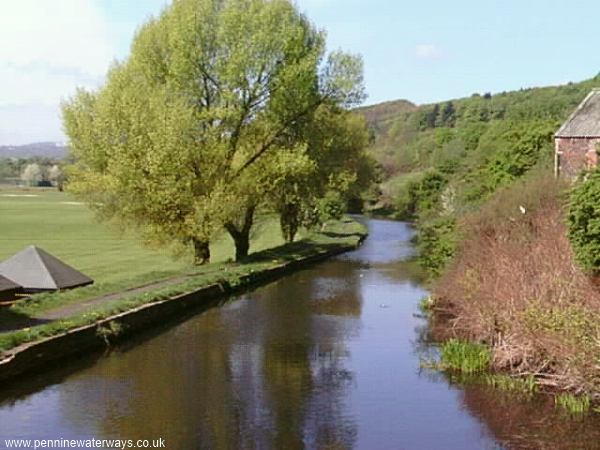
[{"x": 464, "y": 356}]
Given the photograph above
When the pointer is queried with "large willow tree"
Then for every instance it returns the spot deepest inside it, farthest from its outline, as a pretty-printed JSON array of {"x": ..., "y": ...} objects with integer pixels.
[{"x": 194, "y": 131}]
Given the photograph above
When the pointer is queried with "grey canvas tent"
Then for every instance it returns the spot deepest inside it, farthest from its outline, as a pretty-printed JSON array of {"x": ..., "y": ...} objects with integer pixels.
[
  {"x": 9, "y": 289},
  {"x": 37, "y": 270}
]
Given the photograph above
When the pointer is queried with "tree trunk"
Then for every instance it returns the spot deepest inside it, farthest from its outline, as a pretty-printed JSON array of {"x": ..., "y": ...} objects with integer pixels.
[
  {"x": 241, "y": 236},
  {"x": 201, "y": 252},
  {"x": 289, "y": 220}
]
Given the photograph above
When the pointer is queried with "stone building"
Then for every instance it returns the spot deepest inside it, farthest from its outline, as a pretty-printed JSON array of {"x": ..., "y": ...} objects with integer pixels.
[{"x": 576, "y": 142}]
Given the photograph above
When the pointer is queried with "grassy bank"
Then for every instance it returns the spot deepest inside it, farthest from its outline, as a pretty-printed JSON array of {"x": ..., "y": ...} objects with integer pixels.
[{"x": 343, "y": 234}]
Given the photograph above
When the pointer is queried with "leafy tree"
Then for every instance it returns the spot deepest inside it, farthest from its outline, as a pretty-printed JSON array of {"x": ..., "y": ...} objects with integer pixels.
[
  {"x": 448, "y": 159},
  {"x": 522, "y": 147},
  {"x": 32, "y": 174},
  {"x": 436, "y": 243},
  {"x": 9, "y": 168},
  {"x": 190, "y": 131},
  {"x": 336, "y": 169},
  {"x": 424, "y": 194},
  {"x": 442, "y": 136},
  {"x": 56, "y": 175},
  {"x": 432, "y": 116},
  {"x": 448, "y": 115}
]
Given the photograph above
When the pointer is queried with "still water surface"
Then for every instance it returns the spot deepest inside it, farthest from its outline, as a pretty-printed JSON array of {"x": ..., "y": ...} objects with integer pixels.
[{"x": 328, "y": 358}]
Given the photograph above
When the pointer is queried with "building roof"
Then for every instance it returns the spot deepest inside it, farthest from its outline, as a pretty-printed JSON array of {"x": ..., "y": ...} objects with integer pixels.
[
  {"x": 585, "y": 120},
  {"x": 35, "y": 269},
  {"x": 8, "y": 285}
]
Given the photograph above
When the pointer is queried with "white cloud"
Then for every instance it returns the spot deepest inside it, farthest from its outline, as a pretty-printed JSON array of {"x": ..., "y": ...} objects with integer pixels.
[
  {"x": 428, "y": 52},
  {"x": 69, "y": 34},
  {"x": 48, "y": 49}
]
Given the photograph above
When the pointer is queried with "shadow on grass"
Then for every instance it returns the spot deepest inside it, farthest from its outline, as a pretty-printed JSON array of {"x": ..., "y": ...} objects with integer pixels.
[
  {"x": 292, "y": 251},
  {"x": 11, "y": 320},
  {"x": 335, "y": 235}
]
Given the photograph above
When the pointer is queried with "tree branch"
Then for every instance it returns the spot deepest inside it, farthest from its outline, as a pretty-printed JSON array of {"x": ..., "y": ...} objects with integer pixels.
[{"x": 269, "y": 143}]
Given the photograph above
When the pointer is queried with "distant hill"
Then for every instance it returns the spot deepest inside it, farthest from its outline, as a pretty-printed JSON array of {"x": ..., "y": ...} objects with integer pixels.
[
  {"x": 380, "y": 113},
  {"x": 476, "y": 143},
  {"x": 51, "y": 150}
]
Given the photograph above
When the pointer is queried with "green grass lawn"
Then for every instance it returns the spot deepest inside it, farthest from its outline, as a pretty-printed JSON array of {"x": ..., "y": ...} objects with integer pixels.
[{"x": 60, "y": 225}]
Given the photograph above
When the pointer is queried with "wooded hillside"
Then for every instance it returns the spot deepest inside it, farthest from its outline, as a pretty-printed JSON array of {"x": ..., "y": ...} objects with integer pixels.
[{"x": 474, "y": 144}]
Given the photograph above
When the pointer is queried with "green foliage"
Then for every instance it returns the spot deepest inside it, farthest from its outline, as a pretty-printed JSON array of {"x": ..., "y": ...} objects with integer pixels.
[
  {"x": 464, "y": 357},
  {"x": 13, "y": 170},
  {"x": 449, "y": 157},
  {"x": 331, "y": 206},
  {"x": 436, "y": 243},
  {"x": 111, "y": 330},
  {"x": 447, "y": 117},
  {"x": 394, "y": 191},
  {"x": 480, "y": 143},
  {"x": 471, "y": 133},
  {"x": 194, "y": 131},
  {"x": 426, "y": 304},
  {"x": 584, "y": 221},
  {"x": 523, "y": 144},
  {"x": 424, "y": 195},
  {"x": 337, "y": 170}
]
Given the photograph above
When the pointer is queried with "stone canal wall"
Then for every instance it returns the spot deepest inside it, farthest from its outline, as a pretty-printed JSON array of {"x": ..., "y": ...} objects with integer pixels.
[{"x": 39, "y": 355}]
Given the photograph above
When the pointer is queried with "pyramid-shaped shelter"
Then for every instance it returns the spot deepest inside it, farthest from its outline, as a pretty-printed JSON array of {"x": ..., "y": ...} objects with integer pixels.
[
  {"x": 37, "y": 270},
  {"x": 8, "y": 288}
]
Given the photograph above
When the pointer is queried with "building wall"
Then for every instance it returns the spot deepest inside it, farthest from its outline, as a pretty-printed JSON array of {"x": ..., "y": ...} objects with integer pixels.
[{"x": 575, "y": 154}]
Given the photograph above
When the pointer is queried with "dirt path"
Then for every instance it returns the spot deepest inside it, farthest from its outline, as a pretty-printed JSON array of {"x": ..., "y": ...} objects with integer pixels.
[
  {"x": 10, "y": 321},
  {"x": 64, "y": 311},
  {"x": 89, "y": 305}
]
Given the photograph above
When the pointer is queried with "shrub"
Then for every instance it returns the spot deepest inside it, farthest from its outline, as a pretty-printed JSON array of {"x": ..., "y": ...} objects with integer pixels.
[
  {"x": 584, "y": 222},
  {"x": 436, "y": 243},
  {"x": 424, "y": 194}
]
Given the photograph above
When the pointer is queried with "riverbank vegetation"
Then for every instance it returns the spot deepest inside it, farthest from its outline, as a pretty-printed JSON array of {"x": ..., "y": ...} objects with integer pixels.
[
  {"x": 511, "y": 251},
  {"x": 514, "y": 285}
]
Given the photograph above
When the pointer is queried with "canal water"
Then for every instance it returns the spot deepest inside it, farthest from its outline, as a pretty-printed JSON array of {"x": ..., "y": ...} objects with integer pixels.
[{"x": 327, "y": 358}]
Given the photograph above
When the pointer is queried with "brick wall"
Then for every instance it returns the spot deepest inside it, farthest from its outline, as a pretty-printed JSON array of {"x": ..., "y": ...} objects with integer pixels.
[{"x": 576, "y": 154}]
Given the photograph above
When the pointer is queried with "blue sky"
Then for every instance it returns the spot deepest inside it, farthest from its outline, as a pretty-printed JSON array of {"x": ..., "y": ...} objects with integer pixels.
[{"x": 421, "y": 50}]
